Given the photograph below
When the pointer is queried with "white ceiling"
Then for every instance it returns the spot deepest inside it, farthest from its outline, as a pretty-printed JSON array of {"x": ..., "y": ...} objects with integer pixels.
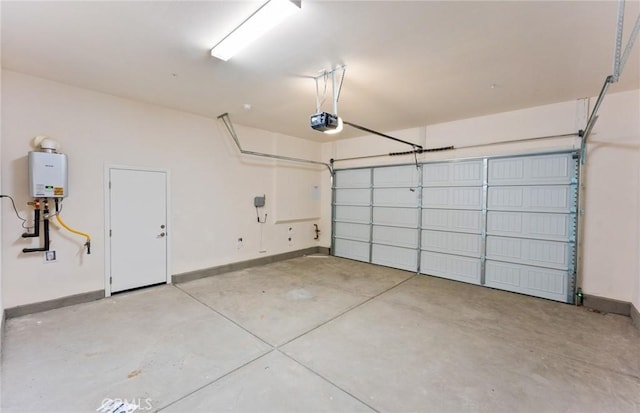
[{"x": 409, "y": 63}]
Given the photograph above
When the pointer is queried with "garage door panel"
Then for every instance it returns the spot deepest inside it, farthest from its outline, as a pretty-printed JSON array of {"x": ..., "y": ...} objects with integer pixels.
[
  {"x": 532, "y": 170},
  {"x": 353, "y": 196},
  {"x": 435, "y": 197},
  {"x": 533, "y": 225},
  {"x": 559, "y": 199},
  {"x": 396, "y": 197},
  {"x": 452, "y": 197},
  {"x": 353, "y": 178},
  {"x": 354, "y": 250},
  {"x": 536, "y": 281},
  {"x": 357, "y": 232},
  {"x": 450, "y": 266},
  {"x": 452, "y": 242},
  {"x": 355, "y": 214},
  {"x": 452, "y": 220},
  {"x": 544, "y": 253},
  {"x": 404, "y": 237},
  {"x": 396, "y": 176},
  {"x": 466, "y": 173},
  {"x": 395, "y": 257},
  {"x": 404, "y": 217}
]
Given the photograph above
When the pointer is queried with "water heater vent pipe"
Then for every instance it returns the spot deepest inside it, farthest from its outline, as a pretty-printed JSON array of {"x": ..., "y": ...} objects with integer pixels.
[{"x": 46, "y": 144}]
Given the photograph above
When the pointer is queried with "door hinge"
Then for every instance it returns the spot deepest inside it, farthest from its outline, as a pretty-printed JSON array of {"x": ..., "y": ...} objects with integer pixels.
[
  {"x": 110, "y": 280},
  {"x": 109, "y": 232},
  {"x": 109, "y": 184}
]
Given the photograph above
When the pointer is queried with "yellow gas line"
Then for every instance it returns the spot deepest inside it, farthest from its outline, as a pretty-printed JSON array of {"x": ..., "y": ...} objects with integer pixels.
[{"x": 68, "y": 228}]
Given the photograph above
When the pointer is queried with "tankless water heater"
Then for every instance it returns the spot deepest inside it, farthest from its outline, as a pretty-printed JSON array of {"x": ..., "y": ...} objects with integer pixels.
[{"x": 48, "y": 175}]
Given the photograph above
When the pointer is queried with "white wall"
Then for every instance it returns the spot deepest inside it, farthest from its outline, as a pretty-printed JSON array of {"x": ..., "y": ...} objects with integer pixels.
[
  {"x": 212, "y": 185},
  {"x": 611, "y": 225},
  {"x": 211, "y": 180},
  {"x": 2, "y": 201},
  {"x": 611, "y": 237},
  {"x": 636, "y": 300}
]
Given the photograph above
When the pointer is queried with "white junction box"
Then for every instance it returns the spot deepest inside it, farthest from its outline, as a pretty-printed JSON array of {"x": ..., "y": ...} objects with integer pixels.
[{"x": 48, "y": 175}]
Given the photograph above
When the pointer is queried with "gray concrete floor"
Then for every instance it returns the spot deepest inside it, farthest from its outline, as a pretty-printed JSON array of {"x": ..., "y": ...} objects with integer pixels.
[{"x": 322, "y": 334}]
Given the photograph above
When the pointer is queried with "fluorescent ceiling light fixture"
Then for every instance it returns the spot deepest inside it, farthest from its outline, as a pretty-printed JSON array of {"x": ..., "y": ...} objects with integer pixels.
[
  {"x": 336, "y": 130},
  {"x": 261, "y": 21}
]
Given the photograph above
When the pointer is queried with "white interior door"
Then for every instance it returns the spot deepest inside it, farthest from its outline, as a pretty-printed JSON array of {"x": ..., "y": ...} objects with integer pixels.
[{"x": 137, "y": 228}]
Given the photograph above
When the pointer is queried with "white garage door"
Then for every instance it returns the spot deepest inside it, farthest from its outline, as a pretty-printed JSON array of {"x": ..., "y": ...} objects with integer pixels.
[
  {"x": 452, "y": 220},
  {"x": 396, "y": 211},
  {"x": 352, "y": 214},
  {"x": 531, "y": 225},
  {"x": 504, "y": 222}
]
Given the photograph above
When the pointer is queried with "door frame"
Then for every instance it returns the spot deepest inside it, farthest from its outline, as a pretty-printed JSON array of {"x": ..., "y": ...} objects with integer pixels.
[{"x": 107, "y": 220}]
